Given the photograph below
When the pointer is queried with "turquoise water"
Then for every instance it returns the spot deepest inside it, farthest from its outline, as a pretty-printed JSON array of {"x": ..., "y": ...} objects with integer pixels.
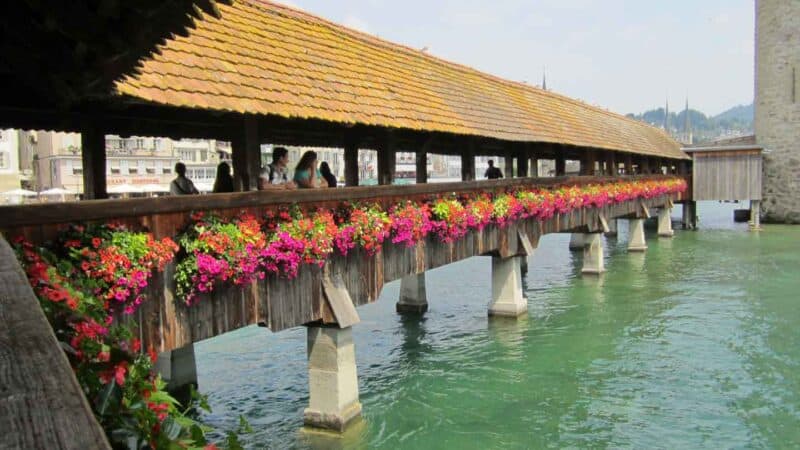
[{"x": 695, "y": 344}]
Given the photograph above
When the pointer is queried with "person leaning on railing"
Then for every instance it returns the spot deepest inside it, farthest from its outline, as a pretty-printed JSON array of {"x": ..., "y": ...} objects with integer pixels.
[
  {"x": 182, "y": 185},
  {"x": 276, "y": 174},
  {"x": 306, "y": 173}
]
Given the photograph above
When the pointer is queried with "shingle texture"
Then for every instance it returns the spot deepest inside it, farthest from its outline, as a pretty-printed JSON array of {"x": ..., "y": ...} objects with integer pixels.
[{"x": 264, "y": 58}]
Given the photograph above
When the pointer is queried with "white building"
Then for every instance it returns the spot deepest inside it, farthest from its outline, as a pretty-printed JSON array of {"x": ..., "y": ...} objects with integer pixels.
[{"x": 10, "y": 176}]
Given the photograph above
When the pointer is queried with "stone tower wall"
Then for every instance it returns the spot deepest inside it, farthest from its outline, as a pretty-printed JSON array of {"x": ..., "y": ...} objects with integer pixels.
[{"x": 777, "y": 107}]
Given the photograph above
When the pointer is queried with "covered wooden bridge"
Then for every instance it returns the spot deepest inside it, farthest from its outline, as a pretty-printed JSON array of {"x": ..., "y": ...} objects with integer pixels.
[{"x": 253, "y": 72}]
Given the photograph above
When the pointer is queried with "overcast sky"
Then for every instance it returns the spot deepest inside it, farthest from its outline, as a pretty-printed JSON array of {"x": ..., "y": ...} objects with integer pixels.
[{"x": 624, "y": 55}]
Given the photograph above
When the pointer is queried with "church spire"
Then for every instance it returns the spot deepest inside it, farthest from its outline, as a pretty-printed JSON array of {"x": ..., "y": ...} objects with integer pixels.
[
  {"x": 666, "y": 115},
  {"x": 544, "y": 78},
  {"x": 687, "y": 123}
]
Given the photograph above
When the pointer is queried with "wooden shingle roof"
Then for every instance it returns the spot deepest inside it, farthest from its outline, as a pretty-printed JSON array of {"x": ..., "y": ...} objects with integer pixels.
[{"x": 263, "y": 58}]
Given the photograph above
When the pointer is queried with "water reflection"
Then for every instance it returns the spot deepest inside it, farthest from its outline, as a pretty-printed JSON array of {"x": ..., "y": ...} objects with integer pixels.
[
  {"x": 354, "y": 437},
  {"x": 508, "y": 331},
  {"x": 414, "y": 344}
]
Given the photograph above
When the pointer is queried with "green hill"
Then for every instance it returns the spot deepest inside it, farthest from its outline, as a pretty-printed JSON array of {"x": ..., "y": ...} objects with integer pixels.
[{"x": 735, "y": 121}]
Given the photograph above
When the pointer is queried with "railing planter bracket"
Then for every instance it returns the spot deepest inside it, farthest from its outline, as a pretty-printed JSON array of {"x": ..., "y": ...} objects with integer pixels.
[{"x": 338, "y": 299}]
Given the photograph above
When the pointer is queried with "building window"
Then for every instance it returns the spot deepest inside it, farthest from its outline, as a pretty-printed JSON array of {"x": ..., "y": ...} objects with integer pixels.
[
  {"x": 77, "y": 170},
  {"x": 166, "y": 170},
  {"x": 151, "y": 170},
  {"x": 133, "y": 171},
  {"x": 115, "y": 171}
]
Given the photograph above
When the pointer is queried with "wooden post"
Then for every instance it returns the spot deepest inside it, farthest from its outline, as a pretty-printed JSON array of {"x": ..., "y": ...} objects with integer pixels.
[
  {"x": 252, "y": 138},
  {"x": 628, "y": 164},
  {"x": 522, "y": 161},
  {"x": 588, "y": 162},
  {"x": 611, "y": 161},
  {"x": 468, "y": 161},
  {"x": 93, "y": 154},
  {"x": 351, "y": 161},
  {"x": 509, "y": 163},
  {"x": 386, "y": 160},
  {"x": 246, "y": 155},
  {"x": 422, "y": 166},
  {"x": 644, "y": 165},
  {"x": 561, "y": 165},
  {"x": 534, "y": 169}
]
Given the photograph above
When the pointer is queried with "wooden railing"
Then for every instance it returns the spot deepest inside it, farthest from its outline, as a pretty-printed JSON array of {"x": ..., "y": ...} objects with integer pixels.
[
  {"x": 41, "y": 402},
  {"x": 20, "y": 216},
  {"x": 166, "y": 323}
]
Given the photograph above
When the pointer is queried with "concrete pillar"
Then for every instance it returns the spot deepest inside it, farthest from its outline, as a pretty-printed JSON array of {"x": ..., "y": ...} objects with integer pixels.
[
  {"x": 507, "y": 298},
  {"x": 178, "y": 369},
  {"x": 612, "y": 228},
  {"x": 665, "y": 223},
  {"x": 689, "y": 215},
  {"x": 755, "y": 215},
  {"x": 413, "y": 298},
  {"x": 577, "y": 241},
  {"x": 593, "y": 254},
  {"x": 636, "y": 242},
  {"x": 333, "y": 383}
]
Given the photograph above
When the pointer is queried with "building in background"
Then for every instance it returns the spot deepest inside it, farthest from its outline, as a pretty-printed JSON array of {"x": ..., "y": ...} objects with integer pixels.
[
  {"x": 10, "y": 175},
  {"x": 777, "y": 106},
  {"x": 133, "y": 164}
]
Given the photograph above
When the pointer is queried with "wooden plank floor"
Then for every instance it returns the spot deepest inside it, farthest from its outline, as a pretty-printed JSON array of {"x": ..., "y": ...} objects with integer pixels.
[{"x": 41, "y": 404}]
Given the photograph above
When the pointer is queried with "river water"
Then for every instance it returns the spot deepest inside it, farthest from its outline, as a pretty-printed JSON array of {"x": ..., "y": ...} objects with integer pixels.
[{"x": 694, "y": 344}]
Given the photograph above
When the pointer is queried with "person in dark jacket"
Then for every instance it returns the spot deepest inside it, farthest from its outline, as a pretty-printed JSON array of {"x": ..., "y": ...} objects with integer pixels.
[
  {"x": 325, "y": 170},
  {"x": 182, "y": 185},
  {"x": 493, "y": 172}
]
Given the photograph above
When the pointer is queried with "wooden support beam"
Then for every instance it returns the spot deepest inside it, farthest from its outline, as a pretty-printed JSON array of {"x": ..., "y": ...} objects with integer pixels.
[
  {"x": 644, "y": 165},
  {"x": 534, "y": 166},
  {"x": 588, "y": 162},
  {"x": 422, "y": 166},
  {"x": 246, "y": 154},
  {"x": 351, "y": 160},
  {"x": 628, "y": 164},
  {"x": 335, "y": 292},
  {"x": 611, "y": 164},
  {"x": 561, "y": 165},
  {"x": 468, "y": 161},
  {"x": 509, "y": 163},
  {"x": 252, "y": 136},
  {"x": 387, "y": 160},
  {"x": 93, "y": 154},
  {"x": 683, "y": 167},
  {"x": 522, "y": 161}
]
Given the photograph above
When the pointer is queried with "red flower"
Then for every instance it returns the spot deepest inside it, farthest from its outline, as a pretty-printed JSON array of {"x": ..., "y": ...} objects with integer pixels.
[
  {"x": 72, "y": 243},
  {"x": 119, "y": 372},
  {"x": 96, "y": 242},
  {"x": 151, "y": 352}
]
